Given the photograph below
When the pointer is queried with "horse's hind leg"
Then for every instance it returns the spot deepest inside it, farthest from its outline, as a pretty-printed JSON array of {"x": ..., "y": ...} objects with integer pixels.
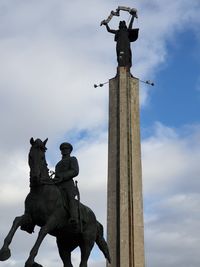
[
  {"x": 5, "y": 251},
  {"x": 65, "y": 253},
  {"x": 101, "y": 242},
  {"x": 86, "y": 248}
]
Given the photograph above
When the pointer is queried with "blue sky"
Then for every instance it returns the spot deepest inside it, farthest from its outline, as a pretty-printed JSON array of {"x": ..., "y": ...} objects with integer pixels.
[
  {"x": 175, "y": 99},
  {"x": 51, "y": 54}
]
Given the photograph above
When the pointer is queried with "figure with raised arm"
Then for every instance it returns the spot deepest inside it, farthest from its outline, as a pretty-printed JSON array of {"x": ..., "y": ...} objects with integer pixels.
[{"x": 123, "y": 37}]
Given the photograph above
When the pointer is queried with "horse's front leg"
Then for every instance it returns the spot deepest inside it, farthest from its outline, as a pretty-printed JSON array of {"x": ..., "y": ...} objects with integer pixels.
[
  {"x": 5, "y": 251},
  {"x": 49, "y": 226}
]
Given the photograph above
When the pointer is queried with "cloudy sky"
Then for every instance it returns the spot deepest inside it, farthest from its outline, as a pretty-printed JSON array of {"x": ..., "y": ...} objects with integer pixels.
[{"x": 51, "y": 54}]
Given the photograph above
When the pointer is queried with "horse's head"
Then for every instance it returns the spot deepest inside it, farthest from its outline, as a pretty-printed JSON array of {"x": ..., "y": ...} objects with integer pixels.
[{"x": 37, "y": 161}]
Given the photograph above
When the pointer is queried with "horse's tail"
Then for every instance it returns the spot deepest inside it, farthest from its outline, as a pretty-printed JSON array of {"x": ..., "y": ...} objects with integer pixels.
[{"x": 101, "y": 242}]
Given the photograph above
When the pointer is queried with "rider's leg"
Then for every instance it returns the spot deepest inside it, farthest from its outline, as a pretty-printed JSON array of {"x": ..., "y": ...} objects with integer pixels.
[{"x": 73, "y": 210}]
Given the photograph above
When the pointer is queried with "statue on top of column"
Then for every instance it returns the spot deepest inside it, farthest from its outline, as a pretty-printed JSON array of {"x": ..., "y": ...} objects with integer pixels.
[{"x": 123, "y": 36}]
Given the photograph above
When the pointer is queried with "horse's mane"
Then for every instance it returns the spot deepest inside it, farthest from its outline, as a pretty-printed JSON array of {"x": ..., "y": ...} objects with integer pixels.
[{"x": 38, "y": 146}]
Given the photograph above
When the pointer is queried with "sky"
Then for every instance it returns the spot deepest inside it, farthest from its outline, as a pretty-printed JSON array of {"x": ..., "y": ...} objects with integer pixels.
[{"x": 52, "y": 52}]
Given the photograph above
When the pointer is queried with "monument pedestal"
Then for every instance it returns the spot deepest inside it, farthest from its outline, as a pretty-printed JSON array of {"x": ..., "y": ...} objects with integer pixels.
[{"x": 125, "y": 205}]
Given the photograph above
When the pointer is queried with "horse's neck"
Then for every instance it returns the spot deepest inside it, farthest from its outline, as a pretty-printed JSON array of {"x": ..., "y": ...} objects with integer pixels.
[
  {"x": 45, "y": 173},
  {"x": 44, "y": 179}
]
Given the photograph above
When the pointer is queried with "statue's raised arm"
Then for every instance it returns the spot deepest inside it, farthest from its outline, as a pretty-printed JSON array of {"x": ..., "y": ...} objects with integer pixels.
[
  {"x": 109, "y": 29},
  {"x": 132, "y": 11}
]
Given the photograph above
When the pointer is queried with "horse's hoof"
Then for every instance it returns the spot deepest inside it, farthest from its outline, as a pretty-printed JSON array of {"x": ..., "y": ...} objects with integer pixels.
[
  {"x": 4, "y": 254},
  {"x": 34, "y": 264}
]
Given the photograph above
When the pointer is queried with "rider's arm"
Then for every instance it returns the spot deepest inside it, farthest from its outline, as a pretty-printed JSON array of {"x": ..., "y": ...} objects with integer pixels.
[
  {"x": 73, "y": 171},
  {"x": 58, "y": 175}
]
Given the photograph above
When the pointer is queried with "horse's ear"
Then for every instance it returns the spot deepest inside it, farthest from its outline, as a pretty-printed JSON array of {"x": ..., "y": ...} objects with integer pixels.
[
  {"x": 45, "y": 141},
  {"x": 32, "y": 141}
]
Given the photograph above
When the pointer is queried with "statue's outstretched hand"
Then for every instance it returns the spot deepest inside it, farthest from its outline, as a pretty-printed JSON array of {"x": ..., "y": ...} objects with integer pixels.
[
  {"x": 103, "y": 23},
  {"x": 133, "y": 12}
]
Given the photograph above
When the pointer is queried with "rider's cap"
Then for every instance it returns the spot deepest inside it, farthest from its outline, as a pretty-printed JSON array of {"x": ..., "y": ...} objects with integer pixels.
[{"x": 66, "y": 145}]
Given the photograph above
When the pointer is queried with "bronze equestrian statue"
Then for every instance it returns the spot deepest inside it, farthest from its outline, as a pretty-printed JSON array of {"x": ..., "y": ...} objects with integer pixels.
[{"x": 46, "y": 207}]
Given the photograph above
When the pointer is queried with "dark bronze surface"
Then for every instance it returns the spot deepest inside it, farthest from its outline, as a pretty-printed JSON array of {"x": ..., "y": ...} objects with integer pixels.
[{"x": 48, "y": 206}]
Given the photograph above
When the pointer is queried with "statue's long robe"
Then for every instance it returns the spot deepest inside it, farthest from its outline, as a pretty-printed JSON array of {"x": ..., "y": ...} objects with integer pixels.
[{"x": 124, "y": 37}]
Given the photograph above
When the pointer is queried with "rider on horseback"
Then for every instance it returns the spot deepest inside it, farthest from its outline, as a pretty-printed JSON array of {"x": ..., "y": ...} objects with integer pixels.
[
  {"x": 44, "y": 208},
  {"x": 66, "y": 169}
]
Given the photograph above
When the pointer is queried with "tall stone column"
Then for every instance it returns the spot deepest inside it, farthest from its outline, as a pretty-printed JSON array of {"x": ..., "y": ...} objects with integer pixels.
[{"x": 125, "y": 204}]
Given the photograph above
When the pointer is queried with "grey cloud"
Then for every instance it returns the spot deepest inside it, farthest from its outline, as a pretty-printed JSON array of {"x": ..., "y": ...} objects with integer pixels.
[
  {"x": 51, "y": 55},
  {"x": 172, "y": 238},
  {"x": 171, "y": 194}
]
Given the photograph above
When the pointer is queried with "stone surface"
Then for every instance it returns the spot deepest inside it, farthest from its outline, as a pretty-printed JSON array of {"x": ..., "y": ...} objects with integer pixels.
[{"x": 125, "y": 208}]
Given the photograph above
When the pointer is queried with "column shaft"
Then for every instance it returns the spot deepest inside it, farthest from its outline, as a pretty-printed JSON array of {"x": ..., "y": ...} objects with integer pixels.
[{"x": 125, "y": 211}]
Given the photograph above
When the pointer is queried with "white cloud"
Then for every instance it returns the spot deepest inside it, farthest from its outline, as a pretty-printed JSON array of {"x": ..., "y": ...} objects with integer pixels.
[
  {"x": 171, "y": 183},
  {"x": 50, "y": 61},
  {"x": 51, "y": 55},
  {"x": 170, "y": 160}
]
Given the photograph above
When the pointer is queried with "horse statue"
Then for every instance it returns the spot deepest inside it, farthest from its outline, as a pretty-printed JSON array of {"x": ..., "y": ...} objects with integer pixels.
[{"x": 45, "y": 207}]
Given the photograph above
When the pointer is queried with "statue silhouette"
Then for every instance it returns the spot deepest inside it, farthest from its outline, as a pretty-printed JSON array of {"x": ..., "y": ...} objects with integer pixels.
[
  {"x": 45, "y": 207},
  {"x": 66, "y": 169},
  {"x": 123, "y": 37}
]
